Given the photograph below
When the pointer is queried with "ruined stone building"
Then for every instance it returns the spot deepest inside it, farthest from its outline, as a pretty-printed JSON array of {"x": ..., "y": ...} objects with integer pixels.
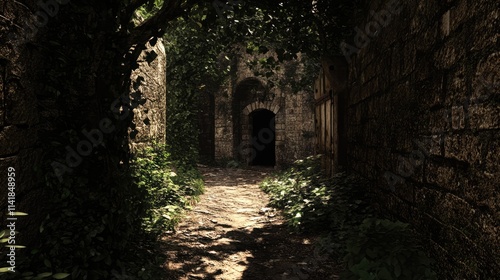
[
  {"x": 254, "y": 123},
  {"x": 414, "y": 107}
]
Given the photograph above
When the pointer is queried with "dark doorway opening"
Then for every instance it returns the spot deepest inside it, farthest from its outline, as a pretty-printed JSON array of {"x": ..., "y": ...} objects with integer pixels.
[{"x": 263, "y": 137}]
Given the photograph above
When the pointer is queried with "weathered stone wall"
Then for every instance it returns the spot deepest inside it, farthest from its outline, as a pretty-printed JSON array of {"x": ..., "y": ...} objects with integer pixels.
[
  {"x": 26, "y": 110},
  {"x": 223, "y": 125},
  {"x": 423, "y": 123},
  {"x": 19, "y": 122},
  {"x": 150, "y": 80},
  {"x": 299, "y": 126},
  {"x": 294, "y": 119}
]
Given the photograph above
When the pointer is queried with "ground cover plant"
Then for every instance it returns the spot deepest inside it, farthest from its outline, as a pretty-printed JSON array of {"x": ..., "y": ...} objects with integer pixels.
[
  {"x": 371, "y": 246},
  {"x": 168, "y": 188}
]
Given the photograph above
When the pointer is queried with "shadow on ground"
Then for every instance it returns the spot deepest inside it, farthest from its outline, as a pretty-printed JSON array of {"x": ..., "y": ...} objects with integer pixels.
[
  {"x": 264, "y": 253},
  {"x": 232, "y": 234}
]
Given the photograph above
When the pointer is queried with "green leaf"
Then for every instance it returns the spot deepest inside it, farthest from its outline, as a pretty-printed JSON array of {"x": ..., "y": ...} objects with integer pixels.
[
  {"x": 371, "y": 253},
  {"x": 4, "y": 269},
  {"x": 384, "y": 274},
  {"x": 60, "y": 275},
  {"x": 44, "y": 274},
  {"x": 397, "y": 269},
  {"x": 19, "y": 214}
]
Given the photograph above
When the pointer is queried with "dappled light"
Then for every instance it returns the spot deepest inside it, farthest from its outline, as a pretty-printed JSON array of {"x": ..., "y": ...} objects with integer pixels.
[
  {"x": 249, "y": 139},
  {"x": 233, "y": 234}
]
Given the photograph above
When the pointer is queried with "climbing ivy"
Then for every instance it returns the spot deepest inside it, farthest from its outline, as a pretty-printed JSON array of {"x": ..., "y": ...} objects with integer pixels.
[{"x": 194, "y": 69}]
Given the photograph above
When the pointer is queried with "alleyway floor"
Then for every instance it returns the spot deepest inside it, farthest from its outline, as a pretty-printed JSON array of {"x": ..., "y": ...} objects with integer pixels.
[{"x": 232, "y": 234}]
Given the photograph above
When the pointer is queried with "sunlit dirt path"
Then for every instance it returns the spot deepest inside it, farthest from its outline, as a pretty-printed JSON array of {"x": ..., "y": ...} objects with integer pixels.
[{"x": 231, "y": 234}]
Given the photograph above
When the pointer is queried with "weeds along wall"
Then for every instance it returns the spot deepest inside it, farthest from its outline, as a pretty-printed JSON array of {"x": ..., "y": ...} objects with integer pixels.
[{"x": 423, "y": 123}]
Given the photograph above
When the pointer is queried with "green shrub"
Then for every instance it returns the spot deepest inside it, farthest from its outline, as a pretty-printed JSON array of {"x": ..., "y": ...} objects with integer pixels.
[
  {"x": 372, "y": 248},
  {"x": 109, "y": 232},
  {"x": 383, "y": 249},
  {"x": 310, "y": 200},
  {"x": 167, "y": 190}
]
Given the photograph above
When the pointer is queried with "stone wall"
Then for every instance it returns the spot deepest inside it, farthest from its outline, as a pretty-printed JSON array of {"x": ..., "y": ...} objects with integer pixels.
[
  {"x": 150, "y": 80},
  {"x": 299, "y": 126},
  {"x": 19, "y": 122},
  {"x": 423, "y": 123},
  {"x": 26, "y": 111}
]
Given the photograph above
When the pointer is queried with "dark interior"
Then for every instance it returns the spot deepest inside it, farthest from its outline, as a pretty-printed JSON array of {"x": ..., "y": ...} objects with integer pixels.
[{"x": 265, "y": 138}]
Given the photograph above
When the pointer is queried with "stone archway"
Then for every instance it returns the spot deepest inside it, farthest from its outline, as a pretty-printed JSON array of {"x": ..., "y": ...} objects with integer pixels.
[
  {"x": 261, "y": 135},
  {"x": 255, "y": 112}
]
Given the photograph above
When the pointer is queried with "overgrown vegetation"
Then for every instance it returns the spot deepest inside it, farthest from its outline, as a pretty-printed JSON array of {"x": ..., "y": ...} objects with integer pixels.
[
  {"x": 194, "y": 72},
  {"x": 95, "y": 215},
  {"x": 86, "y": 246},
  {"x": 371, "y": 246},
  {"x": 167, "y": 190}
]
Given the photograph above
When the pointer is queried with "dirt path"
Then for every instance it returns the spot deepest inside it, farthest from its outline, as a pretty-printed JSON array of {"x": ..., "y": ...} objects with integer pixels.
[{"x": 231, "y": 234}]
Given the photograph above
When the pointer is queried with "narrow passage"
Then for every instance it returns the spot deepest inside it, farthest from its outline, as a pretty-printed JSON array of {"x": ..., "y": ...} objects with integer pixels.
[{"x": 232, "y": 234}]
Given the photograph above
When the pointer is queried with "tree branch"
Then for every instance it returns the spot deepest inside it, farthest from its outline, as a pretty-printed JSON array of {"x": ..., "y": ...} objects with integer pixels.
[
  {"x": 155, "y": 26},
  {"x": 130, "y": 9}
]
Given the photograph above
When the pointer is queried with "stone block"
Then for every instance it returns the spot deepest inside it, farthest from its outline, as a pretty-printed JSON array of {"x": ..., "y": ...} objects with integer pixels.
[
  {"x": 246, "y": 111},
  {"x": 435, "y": 122},
  {"x": 445, "y": 177},
  {"x": 430, "y": 145},
  {"x": 492, "y": 159},
  {"x": 482, "y": 189},
  {"x": 457, "y": 118},
  {"x": 486, "y": 81},
  {"x": 410, "y": 56},
  {"x": 424, "y": 69},
  {"x": 456, "y": 86},
  {"x": 10, "y": 140},
  {"x": 455, "y": 211},
  {"x": 445, "y": 24},
  {"x": 484, "y": 117},
  {"x": 459, "y": 14},
  {"x": 485, "y": 30},
  {"x": 276, "y": 109},
  {"x": 451, "y": 52},
  {"x": 20, "y": 105},
  {"x": 464, "y": 147}
]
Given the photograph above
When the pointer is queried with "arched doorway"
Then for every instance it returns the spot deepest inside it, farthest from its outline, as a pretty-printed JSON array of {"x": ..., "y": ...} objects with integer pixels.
[{"x": 263, "y": 135}]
